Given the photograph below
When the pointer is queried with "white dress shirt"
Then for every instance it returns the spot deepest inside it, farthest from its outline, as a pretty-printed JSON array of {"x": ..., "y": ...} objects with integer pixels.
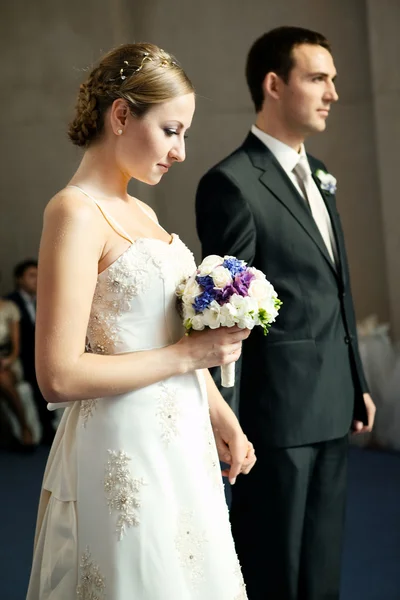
[
  {"x": 288, "y": 158},
  {"x": 30, "y": 304}
]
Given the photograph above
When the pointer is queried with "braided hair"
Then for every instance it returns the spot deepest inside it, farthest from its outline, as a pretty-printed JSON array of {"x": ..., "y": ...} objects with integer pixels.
[{"x": 142, "y": 74}]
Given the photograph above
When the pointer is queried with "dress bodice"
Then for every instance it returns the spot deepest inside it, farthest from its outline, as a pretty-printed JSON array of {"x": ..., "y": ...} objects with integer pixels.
[{"x": 134, "y": 305}]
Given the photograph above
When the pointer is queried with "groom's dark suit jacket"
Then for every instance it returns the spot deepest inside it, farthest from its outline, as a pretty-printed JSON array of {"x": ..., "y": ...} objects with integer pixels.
[{"x": 303, "y": 382}]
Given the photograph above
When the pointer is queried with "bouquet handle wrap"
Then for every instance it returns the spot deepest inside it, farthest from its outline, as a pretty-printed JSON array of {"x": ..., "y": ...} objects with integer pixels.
[{"x": 228, "y": 375}]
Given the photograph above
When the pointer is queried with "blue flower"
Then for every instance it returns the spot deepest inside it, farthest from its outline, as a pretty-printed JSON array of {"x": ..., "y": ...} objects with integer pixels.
[
  {"x": 203, "y": 301},
  {"x": 206, "y": 282},
  {"x": 234, "y": 265}
]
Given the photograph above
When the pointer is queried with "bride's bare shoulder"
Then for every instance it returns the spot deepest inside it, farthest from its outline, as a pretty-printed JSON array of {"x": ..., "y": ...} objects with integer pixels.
[
  {"x": 72, "y": 221},
  {"x": 70, "y": 204}
]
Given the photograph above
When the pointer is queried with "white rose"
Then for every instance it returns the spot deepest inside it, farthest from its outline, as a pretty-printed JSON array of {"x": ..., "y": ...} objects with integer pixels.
[
  {"x": 212, "y": 315},
  {"x": 228, "y": 315},
  {"x": 326, "y": 178},
  {"x": 191, "y": 291},
  {"x": 221, "y": 277},
  {"x": 261, "y": 290},
  {"x": 244, "y": 305},
  {"x": 248, "y": 321},
  {"x": 197, "y": 323},
  {"x": 257, "y": 274},
  {"x": 237, "y": 302},
  {"x": 268, "y": 305},
  {"x": 246, "y": 311},
  {"x": 209, "y": 263}
]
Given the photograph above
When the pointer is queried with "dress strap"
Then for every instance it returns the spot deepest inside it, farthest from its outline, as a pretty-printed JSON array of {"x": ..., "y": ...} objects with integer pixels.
[
  {"x": 148, "y": 214},
  {"x": 110, "y": 220}
]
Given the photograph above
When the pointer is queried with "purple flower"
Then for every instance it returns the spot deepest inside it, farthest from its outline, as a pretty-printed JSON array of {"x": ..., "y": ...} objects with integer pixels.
[
  {"x": 234, "y": 265},
  {"x": 223, "y": 296},
  {"x": 246, "y": 277},
  {"x": 242, "y": 281},
  {"x": 241, "y": 289}
]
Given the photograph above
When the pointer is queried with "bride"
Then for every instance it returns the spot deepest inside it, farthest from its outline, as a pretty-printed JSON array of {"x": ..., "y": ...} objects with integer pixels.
[{"x": 132, "y": 505}]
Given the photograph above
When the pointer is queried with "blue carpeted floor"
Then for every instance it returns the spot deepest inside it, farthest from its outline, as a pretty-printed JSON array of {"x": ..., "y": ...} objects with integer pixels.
[{"x": 371, "y": 562}]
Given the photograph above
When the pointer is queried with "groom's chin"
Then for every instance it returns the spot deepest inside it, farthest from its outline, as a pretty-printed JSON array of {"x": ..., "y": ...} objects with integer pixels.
[{"x": 321, "y": 125}]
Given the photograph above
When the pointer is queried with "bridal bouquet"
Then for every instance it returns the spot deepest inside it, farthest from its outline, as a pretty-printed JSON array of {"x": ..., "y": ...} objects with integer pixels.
[{"x": 224, "y": 292}]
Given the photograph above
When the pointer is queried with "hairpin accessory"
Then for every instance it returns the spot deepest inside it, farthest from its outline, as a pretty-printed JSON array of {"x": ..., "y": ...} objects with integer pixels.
[
  {"x": 164, "y": 62},
  {"x": 121, "y": 72},
  {"x": 167, "y": 61}
]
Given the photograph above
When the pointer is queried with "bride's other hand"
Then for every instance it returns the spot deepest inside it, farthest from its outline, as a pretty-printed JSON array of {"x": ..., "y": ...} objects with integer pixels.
[
  {"x": 233, "y": 447},
  {"x": 250, "y": 459},
  {"x": 233, "y": 454}
]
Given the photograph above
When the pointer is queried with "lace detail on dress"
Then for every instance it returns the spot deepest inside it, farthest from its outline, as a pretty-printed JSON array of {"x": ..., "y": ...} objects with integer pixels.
[
  {"x": 127, "y": 277},
  {"x": 190, "y": 544},
  {"x": 242, "y": 595},
  {"x": 168, "y": 413},
  {"x": 183, "y": 263},
  {"x": 122, "y": 491},
  {"x": 87, "y": 409},
  {"x": 91, "y": 583}
]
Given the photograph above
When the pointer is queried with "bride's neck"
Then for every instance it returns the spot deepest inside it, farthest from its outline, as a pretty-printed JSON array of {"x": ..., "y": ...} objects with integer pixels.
[{"x": 99, "y": 171}]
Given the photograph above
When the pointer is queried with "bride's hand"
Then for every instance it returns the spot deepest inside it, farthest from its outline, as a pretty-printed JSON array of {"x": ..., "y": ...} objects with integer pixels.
[
  {"x": 213, "y": 347},
  {"x": 250, "y": 459},
  {"x": 236, "y": 451}
]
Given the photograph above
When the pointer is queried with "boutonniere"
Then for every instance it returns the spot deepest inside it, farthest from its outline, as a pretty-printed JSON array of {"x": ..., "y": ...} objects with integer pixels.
[{"x": 327, "y": 181}]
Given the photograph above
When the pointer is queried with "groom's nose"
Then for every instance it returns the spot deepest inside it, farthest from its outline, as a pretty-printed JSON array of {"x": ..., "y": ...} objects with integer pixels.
[{"x": 331, "y": 94}]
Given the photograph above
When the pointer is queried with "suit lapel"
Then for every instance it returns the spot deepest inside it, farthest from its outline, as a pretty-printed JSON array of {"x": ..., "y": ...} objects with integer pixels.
[
  {"x": 24, "y": 310},
  {"x": 277, "y": 181}
]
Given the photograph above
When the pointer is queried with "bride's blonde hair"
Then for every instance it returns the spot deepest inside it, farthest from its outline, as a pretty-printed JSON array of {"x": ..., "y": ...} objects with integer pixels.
[{"x": 142, "y": 74}]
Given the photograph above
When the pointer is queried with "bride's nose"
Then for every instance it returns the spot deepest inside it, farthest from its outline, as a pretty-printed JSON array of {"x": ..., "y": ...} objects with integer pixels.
[{"x": 178, "y": 152}]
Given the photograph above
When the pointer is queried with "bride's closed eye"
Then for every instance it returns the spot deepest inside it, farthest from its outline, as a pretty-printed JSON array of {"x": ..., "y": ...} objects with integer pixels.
[{"x": 170, "y": 132}]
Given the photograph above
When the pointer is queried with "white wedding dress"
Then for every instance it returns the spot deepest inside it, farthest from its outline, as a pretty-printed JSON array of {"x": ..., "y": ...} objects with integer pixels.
[{"x": 133, "y": 506}]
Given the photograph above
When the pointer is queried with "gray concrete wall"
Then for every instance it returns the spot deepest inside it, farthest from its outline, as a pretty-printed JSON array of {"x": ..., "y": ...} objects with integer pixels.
[
  {"x": 384, "y": 44},
  {"x": 46, "y": 45}
]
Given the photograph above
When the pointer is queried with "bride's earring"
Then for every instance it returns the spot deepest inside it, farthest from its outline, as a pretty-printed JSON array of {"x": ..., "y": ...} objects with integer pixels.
[{"x": 119, "y": 131}]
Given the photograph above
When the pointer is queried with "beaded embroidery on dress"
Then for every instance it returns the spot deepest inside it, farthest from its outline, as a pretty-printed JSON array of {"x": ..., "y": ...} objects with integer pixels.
[{"x": 133, "y": 504}]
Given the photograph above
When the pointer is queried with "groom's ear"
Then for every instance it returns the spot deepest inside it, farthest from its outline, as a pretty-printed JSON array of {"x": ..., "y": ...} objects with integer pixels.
[{"x": 272, "y": 86}]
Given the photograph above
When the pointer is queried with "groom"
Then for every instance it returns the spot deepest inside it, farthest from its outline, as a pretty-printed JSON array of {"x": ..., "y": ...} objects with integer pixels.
[{"x": 301, "y": 389}]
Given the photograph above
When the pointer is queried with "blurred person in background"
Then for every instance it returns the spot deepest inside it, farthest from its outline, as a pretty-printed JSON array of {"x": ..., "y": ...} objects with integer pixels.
[
  {"x": 10, "y": 368},
  {"x": 24, "y": 296}
]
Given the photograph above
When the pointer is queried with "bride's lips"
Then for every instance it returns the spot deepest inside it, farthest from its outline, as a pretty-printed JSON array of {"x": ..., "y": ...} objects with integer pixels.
[{"x": 164, "y": 166}]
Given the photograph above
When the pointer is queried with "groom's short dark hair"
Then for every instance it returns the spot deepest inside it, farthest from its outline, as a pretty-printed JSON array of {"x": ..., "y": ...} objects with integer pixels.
[{"x": 273, "y": 52}]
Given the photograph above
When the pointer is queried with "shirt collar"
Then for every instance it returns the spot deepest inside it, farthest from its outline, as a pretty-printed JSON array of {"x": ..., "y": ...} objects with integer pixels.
[
  {"x": 284, "y": 154},
  {"x": 26, "y": 297}
]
